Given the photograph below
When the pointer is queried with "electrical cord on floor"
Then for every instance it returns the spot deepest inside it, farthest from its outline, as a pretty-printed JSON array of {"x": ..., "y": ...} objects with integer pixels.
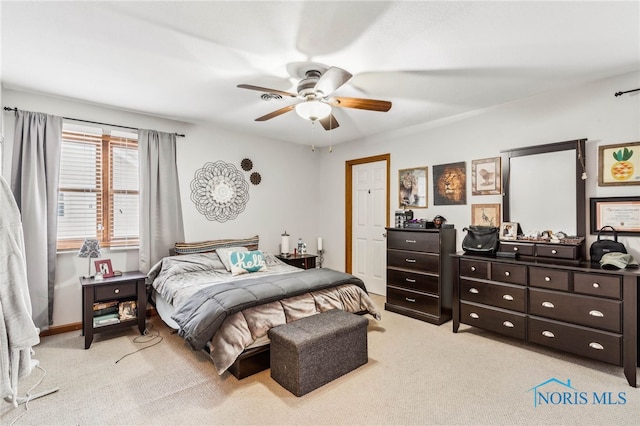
[
  {"x": 152, "y": 335},
  {"x": 28, "y": 397}
]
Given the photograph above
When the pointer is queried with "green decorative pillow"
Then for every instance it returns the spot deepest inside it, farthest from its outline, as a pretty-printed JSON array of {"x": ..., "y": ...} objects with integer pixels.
[{"x": 243, "y": 262}]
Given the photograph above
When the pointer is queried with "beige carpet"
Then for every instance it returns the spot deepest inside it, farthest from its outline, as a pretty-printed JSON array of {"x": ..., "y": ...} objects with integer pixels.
[{"x": 417, "y": 374}]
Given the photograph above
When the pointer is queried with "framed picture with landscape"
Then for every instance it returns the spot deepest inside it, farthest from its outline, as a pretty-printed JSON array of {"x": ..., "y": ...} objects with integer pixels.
[{"x": 619, "y": 164}]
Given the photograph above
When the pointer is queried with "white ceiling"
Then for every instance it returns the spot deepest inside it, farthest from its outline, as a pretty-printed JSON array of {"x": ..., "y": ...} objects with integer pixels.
[{"x": 432, "y": 60}]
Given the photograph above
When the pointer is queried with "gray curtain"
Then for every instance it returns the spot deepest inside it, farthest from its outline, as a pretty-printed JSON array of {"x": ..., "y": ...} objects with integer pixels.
[
  {"x": 161, "y": 223},
  {"x": 34, "y": 182}
]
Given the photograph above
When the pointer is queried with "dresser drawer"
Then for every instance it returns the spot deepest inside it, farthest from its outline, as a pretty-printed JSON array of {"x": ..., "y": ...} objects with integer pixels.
[
  {"x": 522, "y": 249},
  {"x": 413, "y": 280},
  {"x": 513, "y": 274},
  {"x": 583, "y": 341},
  {"x": 474, "y": 268},
  {"x": 554, "y": 279},
  {"x": 413, "y": 300},
  {"x": 557, "y": 251},
  {"x": 501, "y": 295},
  {"x": 425, "y": 262},
  {"x": 114, "y": 291},
  {"x": 597, "y": 285},
  {"x": 604, "y": 314},
  {"x": 414, "y": 241},
  {"x": 494, "y": 319}
]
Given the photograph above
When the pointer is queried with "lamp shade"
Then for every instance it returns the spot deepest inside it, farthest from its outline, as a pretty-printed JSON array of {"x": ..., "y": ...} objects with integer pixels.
[
  {"x": 90, "y": 248},
  {"x": 313, "y": 110}
]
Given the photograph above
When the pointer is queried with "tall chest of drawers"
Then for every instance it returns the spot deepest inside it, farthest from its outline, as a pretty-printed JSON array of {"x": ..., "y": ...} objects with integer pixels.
[
  {"x": 579, "y": 309},
  {"x": 419, "y": 273}
]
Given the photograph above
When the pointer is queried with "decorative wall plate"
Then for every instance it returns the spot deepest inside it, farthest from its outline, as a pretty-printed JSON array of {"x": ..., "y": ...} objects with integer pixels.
[
  {"x": 246, "y": 164},
  {"x": 255, "y": 178},
  {"x": 219, "y": 191}
]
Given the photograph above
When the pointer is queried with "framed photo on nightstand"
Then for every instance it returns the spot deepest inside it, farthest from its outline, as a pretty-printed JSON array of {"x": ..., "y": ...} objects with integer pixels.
[{"x": 104, "y": 267}]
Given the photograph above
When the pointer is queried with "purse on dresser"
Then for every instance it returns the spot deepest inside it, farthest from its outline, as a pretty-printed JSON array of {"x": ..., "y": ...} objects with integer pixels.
[
  {"x": 601, "y": 247},
  {"x": 481, "y": 239}
]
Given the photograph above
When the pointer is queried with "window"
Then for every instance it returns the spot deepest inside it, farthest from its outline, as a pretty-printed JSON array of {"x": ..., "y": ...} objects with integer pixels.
[{"x": 98, "y": 190}]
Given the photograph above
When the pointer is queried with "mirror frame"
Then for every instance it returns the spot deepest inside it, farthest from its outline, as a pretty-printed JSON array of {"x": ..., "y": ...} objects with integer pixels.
[{"x": 580, "y": 193}]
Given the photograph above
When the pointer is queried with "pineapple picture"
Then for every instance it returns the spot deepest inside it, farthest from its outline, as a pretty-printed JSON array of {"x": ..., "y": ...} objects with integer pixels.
[
  {"x": 622, "y": 169},
  {"x": 619, "y": 164}
]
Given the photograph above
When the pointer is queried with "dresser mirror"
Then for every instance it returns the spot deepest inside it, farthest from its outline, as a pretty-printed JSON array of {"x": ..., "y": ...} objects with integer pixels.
[{"x": 544, "y": 187}]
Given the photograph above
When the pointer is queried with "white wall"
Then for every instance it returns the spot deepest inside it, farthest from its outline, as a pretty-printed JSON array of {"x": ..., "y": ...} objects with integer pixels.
[
  {"x": 303, "y": 191},
  {"x": 589, "y": 111},
  {"x": 286, "y": 198}
]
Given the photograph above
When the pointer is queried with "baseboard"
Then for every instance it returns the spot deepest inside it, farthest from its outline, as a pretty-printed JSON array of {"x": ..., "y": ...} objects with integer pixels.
[{"x": 66, "y": 328}]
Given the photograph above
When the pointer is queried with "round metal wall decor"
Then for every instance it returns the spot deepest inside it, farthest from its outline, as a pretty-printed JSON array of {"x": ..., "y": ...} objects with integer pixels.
[
  {"x": 255, "y": 178},
  {"x": 219, "y": 191},
  {"x": 246, "y": 164}
]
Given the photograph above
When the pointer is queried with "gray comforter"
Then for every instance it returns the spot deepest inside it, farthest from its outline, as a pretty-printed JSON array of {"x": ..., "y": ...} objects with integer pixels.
[{"x": 201, "y": 316}]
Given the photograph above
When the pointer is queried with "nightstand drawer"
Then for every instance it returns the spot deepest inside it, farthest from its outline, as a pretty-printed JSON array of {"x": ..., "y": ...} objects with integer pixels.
[{"x": 115, "y": 291}]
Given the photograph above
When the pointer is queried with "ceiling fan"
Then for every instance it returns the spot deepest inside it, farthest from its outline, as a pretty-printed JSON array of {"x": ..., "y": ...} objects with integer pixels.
[{"x": 317, "y": 83}]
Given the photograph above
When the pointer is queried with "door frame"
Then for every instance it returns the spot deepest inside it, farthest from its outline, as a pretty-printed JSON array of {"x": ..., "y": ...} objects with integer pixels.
[{"x": 349, "y": 200}]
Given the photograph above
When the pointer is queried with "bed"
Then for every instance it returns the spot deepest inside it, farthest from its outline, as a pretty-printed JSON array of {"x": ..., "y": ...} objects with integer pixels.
[{"x": 223, "y": 296}]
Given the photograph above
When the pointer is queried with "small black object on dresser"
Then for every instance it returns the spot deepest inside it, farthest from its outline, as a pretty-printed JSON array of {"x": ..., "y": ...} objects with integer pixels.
[
  {"x": 126, "y": 293},
  {"x": 419, "y": 273}
]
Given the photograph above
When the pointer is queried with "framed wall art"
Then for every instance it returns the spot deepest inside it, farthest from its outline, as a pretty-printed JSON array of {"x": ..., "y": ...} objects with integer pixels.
[
  {"x": 486, "y": 176},
  {"x": 413, "y": 187},
  {"x": 619, "y": 164},
  {"x": 622, "y": 213},
  {"x": 450, "y": 184},
  {"x": 485, "y": 214}
]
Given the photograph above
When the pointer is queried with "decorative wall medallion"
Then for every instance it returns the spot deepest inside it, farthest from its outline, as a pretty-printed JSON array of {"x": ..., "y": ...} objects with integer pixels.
[
  {"x": 255, "y": 178},
  {"x": 246, "y": 164},
  {"x": 219, "y": 191}
]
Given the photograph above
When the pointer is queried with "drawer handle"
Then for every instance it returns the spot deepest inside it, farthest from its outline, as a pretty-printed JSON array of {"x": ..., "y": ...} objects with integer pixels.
[
  {"x": 596, "y": 285},
  {"x": 473, "y": 269},
  {"x": 507, "y": 273},
  {"x": 507, "y": 297},
  {"x": 116, "y": 291},
  {"x": 410, "y": 280},
  {"x": 508, "y": 324},
  {"x": 410, "y": 300},
  {"x": 595, "y": 313},
  {"x": 474, "y": 315},
  {"x": 548, "y": 334},
  {"x": 473, "y": 290},
  {"x": 596, "y": 345},
  {"x": 410, "y": 260},
  {"x": 548, "y": 305},
  {"x": 554, "y": 251},
  {"x": 547, "y": 279},
  {"x": 410, "y": 241},
  {"x": 515, "y": 249}
]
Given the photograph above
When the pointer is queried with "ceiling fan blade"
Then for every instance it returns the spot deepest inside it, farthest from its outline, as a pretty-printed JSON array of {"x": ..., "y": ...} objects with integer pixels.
[
  {"x": 276, "y": 113},
  {"x": 331, "y": 80},
  {"x": 360, "y": 103},
  {"x": 329, "y": 122},
  {"x": 266, "y": 90}
]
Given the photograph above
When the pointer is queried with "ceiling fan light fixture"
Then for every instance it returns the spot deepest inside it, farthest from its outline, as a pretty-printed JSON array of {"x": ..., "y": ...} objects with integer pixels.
[{"x": 313, "y": 110}]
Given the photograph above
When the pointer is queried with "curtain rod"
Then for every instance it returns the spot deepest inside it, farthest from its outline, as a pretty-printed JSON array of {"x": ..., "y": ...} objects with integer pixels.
[
  {"x": 95, "y": 122},
  {"x": 628, "y": 91}
]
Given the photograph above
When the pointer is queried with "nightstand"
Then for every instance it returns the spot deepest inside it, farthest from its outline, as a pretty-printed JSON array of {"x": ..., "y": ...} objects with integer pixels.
[
  {"x": 108, "y": 293},
  {"x": 304, "y": 261}
]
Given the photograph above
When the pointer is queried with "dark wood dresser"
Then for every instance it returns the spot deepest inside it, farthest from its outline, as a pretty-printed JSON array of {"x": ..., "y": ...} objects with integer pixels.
[
  {"x": 580, "y": 309},
  {"x": 419, "y": 280}
]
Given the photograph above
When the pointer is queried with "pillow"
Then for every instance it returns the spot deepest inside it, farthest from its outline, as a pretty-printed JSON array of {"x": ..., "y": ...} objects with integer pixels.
[
  {"x": 213, "y": 245},
  {"x": 225, "y": 252},
  {"x": 243, "y": 262}
]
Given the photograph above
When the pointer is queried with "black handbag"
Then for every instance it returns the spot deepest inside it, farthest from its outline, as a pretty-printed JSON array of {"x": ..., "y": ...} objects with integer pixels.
[
  {"x": 481, "y": 239},
  {"x": 601, "y": 247}
]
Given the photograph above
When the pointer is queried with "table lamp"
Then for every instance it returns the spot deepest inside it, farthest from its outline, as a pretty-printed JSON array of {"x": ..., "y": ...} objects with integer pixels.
[{"x": 91, "y": 249}]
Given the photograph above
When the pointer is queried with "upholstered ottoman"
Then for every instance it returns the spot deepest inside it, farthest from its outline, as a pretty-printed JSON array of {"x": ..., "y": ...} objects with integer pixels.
[{"x": 312, "y": 351}]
